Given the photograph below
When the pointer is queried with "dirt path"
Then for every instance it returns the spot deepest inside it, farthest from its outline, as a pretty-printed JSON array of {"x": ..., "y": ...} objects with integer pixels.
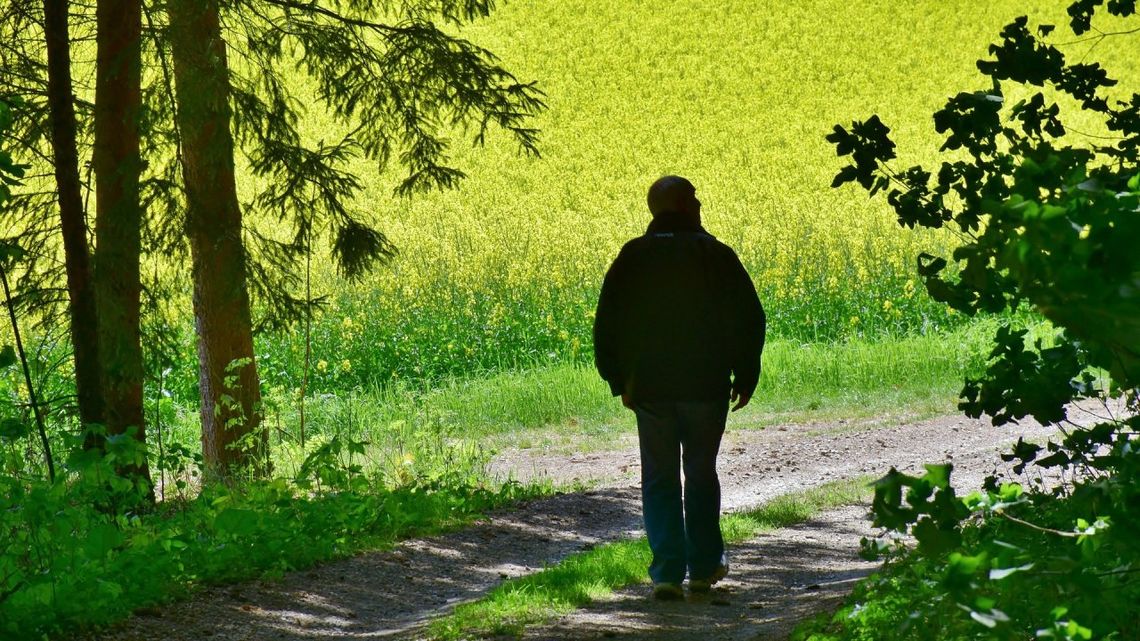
[{"x": 776, "y": 579}]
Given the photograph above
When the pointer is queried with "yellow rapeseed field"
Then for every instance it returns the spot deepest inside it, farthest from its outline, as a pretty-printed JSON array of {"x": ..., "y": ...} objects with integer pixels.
[{"x": 737, "y": 95}]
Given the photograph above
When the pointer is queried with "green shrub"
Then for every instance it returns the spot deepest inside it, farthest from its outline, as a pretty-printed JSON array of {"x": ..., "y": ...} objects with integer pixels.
[{"x": 1049, "y": 221}]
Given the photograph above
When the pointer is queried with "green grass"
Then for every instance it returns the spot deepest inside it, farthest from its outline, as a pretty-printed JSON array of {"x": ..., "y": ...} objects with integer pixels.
[
  {"x": 415, "y": 429},
  {"x": 595, "y": 574},
  {"x": 855, "y": 379}
]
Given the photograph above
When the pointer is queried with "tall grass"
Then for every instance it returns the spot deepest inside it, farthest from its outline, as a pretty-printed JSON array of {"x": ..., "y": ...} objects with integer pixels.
[{"x": 854, "y": 378}]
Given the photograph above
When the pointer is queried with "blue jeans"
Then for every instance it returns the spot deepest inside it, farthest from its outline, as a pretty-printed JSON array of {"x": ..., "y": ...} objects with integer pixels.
[{"x": 682, "y": 534}]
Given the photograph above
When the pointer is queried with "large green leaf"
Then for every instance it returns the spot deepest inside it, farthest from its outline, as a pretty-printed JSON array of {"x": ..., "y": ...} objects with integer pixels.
[
  {"x": 7, "y": 356},
  {"x": 236, "y": 522},
  {"x": 13, "y": 428}
]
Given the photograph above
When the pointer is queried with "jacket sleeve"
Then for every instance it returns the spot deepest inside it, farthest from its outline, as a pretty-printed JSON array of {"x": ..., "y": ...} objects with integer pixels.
[
  {"x": 749, "y": 328},
  {"x": 608, "y": 322}
]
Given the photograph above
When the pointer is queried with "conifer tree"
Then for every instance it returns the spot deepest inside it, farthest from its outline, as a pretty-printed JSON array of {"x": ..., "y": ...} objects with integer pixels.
[
  {"x": 83, "y": 318},
  {"x": 398, "y": 86},
  {"x": 117, "y": 163},
  {"x": 227, "y": 379}
]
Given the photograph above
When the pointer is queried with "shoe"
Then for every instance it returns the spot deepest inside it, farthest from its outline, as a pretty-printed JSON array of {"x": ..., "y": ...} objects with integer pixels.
[
  {"x": 705, "y": 584},
  {"x": 668, "y": 591}
]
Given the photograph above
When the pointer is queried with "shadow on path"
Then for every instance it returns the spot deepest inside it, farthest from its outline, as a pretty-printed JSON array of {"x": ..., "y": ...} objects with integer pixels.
[
  {"x": 388, "y": 594},
  {"x": 777, "y": 580}
]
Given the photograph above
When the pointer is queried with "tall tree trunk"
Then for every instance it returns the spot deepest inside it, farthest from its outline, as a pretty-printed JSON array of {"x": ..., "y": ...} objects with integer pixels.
[
  {"x": 227, "y": 376},
  {"x": 77, "y": 257},
  {"x": 118, "y": 220}
]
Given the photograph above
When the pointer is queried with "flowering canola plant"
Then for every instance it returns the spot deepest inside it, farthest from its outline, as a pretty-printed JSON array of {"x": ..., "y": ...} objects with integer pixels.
[{"x": 735, "y": 95}]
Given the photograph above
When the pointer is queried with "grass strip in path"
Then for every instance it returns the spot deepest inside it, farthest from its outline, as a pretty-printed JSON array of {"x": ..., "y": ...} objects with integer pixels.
[{"x": 596, "y": 573}]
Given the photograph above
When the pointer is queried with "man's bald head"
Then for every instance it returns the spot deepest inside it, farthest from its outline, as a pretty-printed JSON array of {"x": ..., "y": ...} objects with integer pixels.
[{"x": 673, "y": 194}]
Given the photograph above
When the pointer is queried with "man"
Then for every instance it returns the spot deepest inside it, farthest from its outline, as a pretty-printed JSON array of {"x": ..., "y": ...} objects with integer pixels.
[{"x": 678, "y": 335}]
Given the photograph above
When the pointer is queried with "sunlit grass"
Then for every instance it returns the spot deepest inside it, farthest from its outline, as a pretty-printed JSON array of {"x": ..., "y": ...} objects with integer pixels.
[{"x": 414, "y": 429}]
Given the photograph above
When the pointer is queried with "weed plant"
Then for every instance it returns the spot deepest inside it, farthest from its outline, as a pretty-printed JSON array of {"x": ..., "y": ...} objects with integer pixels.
[{"x": 566, "y": 401}]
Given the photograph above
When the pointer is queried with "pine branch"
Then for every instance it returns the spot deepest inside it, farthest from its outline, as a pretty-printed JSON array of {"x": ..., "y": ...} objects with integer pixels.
[{"x": 314, "y": 8}]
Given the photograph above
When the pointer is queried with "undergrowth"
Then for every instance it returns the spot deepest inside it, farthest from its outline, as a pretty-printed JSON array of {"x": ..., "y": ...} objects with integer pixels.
[
  {"x": 83, "y": 552},
  {"x": 1051, "y": 565},
  {"x": 375, "y": 466}
]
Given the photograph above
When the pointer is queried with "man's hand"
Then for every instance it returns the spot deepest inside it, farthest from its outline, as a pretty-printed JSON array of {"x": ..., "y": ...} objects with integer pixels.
[
  {"x": 627, "y": 400},
  {"x": 739, "y": 398}
]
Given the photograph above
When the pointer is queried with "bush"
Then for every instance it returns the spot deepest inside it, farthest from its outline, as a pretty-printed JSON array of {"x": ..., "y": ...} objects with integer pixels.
[{"x": 1052, "y": 226}]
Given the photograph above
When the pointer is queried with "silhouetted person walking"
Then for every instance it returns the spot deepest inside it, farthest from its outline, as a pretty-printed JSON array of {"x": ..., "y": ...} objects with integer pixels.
[{"x": 678, "y": 334}]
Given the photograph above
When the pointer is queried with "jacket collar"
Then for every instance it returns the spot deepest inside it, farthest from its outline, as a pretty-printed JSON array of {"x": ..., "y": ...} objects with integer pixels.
[{"x": 671, "y": 222}]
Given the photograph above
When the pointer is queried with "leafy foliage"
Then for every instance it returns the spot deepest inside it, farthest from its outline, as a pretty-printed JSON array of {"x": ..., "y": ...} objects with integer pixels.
[{"x": 1048, "y": 218}]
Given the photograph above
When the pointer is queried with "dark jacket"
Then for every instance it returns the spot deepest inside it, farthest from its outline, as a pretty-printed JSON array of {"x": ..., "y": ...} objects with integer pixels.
[{"x": 677, "y": 316}]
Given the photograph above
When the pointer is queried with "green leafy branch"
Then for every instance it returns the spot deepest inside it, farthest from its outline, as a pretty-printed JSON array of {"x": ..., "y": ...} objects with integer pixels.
[{"x": 1046, "y": 221}]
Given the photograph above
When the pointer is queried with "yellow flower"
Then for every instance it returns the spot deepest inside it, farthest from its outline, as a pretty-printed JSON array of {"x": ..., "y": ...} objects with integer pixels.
[
  {"x": 854, "y": 320},
  {"x": 887, "y": 305},
  {"x": 346, "y": 365},
  {"x": 322, "y": 365},
  {"x": 347, "y": 322}
]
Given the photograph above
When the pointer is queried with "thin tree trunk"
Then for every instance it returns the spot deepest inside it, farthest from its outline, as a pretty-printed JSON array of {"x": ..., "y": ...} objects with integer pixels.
[
  {"x": 118, "y": 221},
  {"x": 227, "y": 376},
  {"x": 77, "y": 257},
  {"x": 33, "y": 398}
]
